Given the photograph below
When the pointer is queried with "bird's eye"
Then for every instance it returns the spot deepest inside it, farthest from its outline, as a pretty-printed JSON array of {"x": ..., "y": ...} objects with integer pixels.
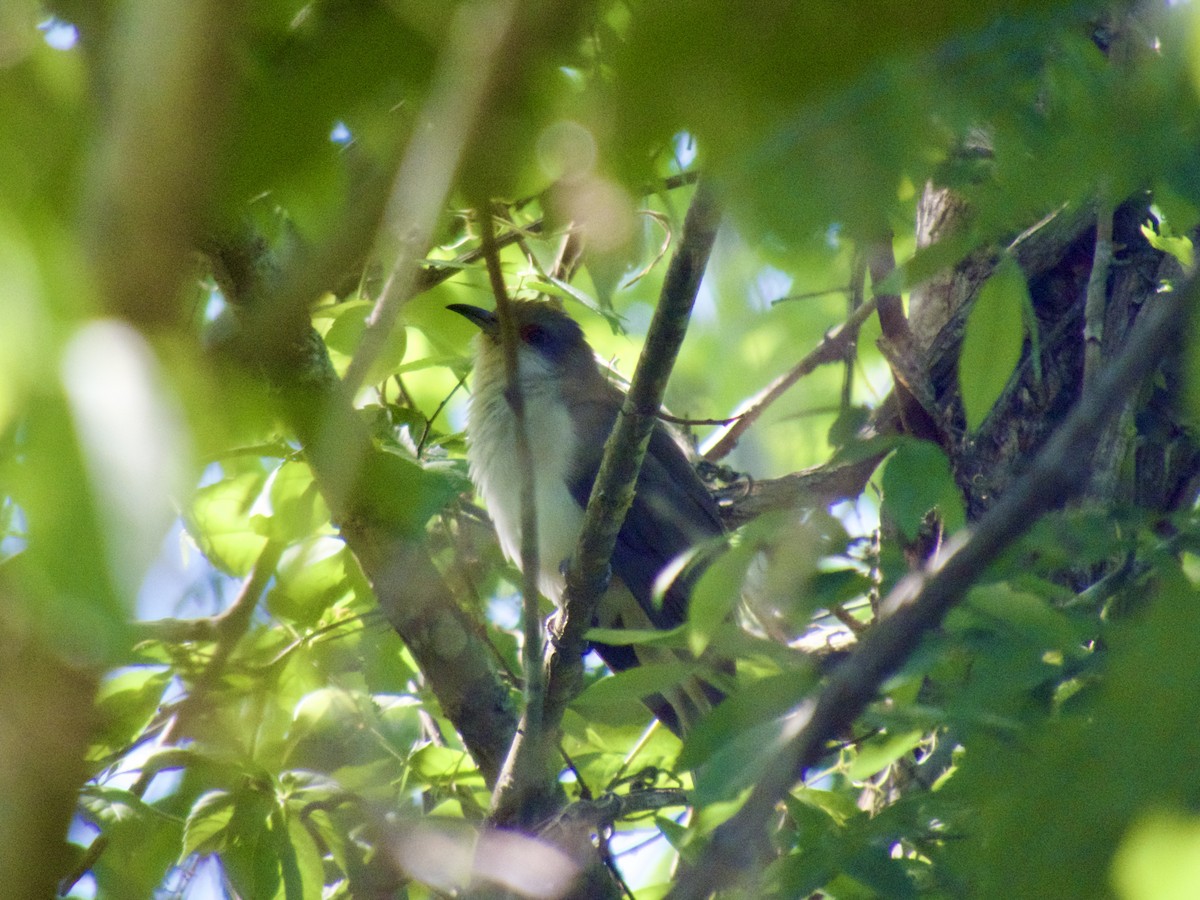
[{"x": 534, "y": 335}]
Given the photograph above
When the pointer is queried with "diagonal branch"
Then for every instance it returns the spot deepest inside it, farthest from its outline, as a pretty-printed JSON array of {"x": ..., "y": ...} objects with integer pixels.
[
  {"x": 1058, "y": 473},
  {"x": 613, "y": 491},
  {"x": 411, "y": 592},
  {"x": 468, "y": 73},
  {"x": 831, "y": 349}
]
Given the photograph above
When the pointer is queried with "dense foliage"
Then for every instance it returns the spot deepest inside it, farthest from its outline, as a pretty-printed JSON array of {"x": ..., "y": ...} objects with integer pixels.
[{"x": 256, "y": 636}]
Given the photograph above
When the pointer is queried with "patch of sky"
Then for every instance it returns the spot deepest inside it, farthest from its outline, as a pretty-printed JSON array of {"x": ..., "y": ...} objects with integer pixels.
[
  {"x": 215, "y": 305},
  {"x": 340, "y": 134},
  {"x": 770, "y": 284},
  {"x": 13, "y": 539},
  {"x": 504, "y": 610},
  {"x": 684, "y": 146},
  {"x": 181, "y": 584},
  {"x": 59, "y": 34}
]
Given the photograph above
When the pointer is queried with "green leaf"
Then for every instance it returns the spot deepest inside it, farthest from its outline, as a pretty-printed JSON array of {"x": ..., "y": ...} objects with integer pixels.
[
  {"x": 625, "y": 688},
  {"x": 301, "y": 867},
  {"x": 917, "y": 479},
  {"x": 310, "y": 577},
  {"x": 761, "y": 701},
  {"x": 345, "y": 335},
  {"x": 719, "y": 591},
  {"x": 439, "y": 764},
  {"x": 992, "y": 341},
  {"x": 64, "y": 576},
  {"x": 399, "y": 494},
  {"x": 297, "y": 508},
  {"x": 881, "y": 751},
  {"x": 1159, "y": 858},
  {"x": 1025, "y": 614},
  {"x": 624, "y": 637},
  {"x": 1178, "y": 246},
  {"x": 110, "y": 807},
  {"x": 124, "y": 705},
  {"x": 739, "y": 763},
  {"x": 204, "y": 830},
  {"x": 252, "y": 849},
  {"x": 219, "y": 522}
]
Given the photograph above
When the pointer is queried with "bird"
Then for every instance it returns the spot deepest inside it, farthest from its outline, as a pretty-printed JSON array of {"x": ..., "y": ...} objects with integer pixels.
[{"x": 570, "y": 407}]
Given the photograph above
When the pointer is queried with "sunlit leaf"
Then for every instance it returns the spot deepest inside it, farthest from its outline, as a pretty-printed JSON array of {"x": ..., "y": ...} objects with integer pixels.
[
  {"x": 219, "y": 522},
  {"x": 992, "y": 342},
  {"x": 206, "y": 823}
]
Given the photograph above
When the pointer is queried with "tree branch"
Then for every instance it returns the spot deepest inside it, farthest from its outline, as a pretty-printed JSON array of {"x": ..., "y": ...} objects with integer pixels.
[
  {"x": 831, "y": 349},
  {"x": 911, "y": 386},
  {"x": 531, "y": 618},
  {"x": 612, "y": 493},
  {"x": 467, "y": 74},
  {"x": 1097, "y": 291},
  {"x": 414, "y": 598},
  {"x": 918, "y": 604},
  {"x": 229, "y": 627}
]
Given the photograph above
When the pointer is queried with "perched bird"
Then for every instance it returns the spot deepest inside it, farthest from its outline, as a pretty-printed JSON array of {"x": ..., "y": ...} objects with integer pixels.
[{"x": 570, "y": 408}]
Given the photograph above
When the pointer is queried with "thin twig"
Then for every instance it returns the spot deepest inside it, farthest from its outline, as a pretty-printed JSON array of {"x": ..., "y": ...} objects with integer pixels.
[
  {"x": 858, "y": 294},
  {"x": 919, "y": 603},
  {"x": 810, "y": 295},
  {"x": 230, "y": 627},
  {"x": 684, "y": 420},
  {"x": 437, "y": 412},
  {"x": 831, "y": 349},
  {"x": 1097, "y": 290},
  {"x": 531, "y": 652}
]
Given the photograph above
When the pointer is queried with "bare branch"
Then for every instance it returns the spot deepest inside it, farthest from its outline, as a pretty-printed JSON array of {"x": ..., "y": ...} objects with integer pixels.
[
  {"x": 1097, "y": 291},
  {"x": 230, "y": 627},
  {"x": 466, "y": 75},
  {"x": 612, "y": 493},
  {"x": 831, "y": 349},
  {"x": 532, "y": 732},
  {"x": 918, "y": 604}
]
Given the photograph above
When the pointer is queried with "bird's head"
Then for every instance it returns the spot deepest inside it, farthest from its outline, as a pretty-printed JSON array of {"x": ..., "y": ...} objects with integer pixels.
[{"x": 550, "y": 344}]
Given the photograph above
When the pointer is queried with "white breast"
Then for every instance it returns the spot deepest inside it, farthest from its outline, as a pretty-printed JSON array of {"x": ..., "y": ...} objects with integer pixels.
[{"x": 492, "y": 455}]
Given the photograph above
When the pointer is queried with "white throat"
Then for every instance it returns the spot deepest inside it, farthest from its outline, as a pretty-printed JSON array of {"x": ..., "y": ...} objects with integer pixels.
[{"x": 495, "y": 469}]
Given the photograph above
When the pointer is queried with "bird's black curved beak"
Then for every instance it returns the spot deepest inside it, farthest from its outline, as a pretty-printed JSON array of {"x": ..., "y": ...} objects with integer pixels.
[{"x": 487, "y": 320}]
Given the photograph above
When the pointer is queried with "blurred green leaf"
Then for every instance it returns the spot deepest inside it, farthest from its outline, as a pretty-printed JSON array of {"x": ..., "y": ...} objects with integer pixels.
[
  {"x": 219, "y": 522},
  {"x": 992, "y": 342},
  {"x": 65, "y": 572},
  {"x": 399, "y": 495},
  {"x": 1159, "y": 858},
  {"x": 124, "y": 705},
  {"x": 881, "y": 751},
  {"x": 917, "y": 479},
  {"x": 754, "y": 704},
  {"x": 311, "y": 576},
  {"x": 204, "y": 831},
  {"x": 349, "y": 321},
  {"x": 296, "y": 507}
]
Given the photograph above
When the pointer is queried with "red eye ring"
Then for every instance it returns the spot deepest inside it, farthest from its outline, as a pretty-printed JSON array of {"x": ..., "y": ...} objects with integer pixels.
[{"x": 532, "y": 334}]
